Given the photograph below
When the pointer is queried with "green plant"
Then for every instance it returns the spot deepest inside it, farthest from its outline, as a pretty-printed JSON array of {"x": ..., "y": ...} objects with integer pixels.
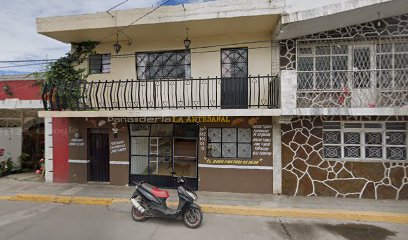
[
  {"x": 65, "y": 74},
  {"x": 6, "y": 166},
  {"x": 24, "y": 157}
]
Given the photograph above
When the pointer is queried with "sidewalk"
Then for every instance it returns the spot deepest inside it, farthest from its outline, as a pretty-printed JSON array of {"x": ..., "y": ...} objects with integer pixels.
[{"x": 231, "y": 203}]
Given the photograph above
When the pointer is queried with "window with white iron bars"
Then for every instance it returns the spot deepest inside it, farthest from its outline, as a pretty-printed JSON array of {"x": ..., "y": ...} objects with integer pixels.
[
  {"x": 365, "y": 140},
  {"x": 352, "y": 65}
]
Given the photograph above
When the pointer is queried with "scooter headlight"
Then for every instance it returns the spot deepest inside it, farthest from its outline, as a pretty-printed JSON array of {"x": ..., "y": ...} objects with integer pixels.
[{"x": 192, "y": 195}]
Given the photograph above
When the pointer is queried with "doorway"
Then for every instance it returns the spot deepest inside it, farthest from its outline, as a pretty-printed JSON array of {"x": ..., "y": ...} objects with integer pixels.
[
  {"x": 98, "y": 154},
  {"x": 234, "y": 78},
  {"x": 159, "y": 149}
]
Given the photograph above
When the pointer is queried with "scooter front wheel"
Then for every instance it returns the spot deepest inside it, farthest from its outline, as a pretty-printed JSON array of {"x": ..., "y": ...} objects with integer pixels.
[
  {"x": 193, "y": 217},
  {"x": 138, "y": 216}
]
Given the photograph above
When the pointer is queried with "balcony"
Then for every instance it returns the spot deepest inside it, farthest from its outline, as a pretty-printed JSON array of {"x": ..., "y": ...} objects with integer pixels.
[{"x": 259, "y": 92}]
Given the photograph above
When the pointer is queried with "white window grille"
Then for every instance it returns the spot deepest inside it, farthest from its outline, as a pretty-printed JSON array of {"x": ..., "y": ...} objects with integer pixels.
[
  {"x": 345, "y": 73},
  {"x": 365, "y": 140}
]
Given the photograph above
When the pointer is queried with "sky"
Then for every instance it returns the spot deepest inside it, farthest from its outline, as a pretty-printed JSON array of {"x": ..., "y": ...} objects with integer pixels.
[{"x": 19, "y": 39}]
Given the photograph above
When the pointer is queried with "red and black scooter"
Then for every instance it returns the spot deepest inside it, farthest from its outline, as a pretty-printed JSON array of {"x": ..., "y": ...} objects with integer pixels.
[{"x": 149, "y": 201}]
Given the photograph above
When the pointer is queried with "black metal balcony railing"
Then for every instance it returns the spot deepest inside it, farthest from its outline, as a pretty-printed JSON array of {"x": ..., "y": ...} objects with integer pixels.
[{"x": 210, "y": 93}]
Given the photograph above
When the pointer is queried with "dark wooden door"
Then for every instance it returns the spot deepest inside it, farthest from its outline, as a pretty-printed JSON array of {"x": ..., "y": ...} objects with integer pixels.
[
  {"x": 98, "y": 149},
  {"x": 234, "y": 78}
]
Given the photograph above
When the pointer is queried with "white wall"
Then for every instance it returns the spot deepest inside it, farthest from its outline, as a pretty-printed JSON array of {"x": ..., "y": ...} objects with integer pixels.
[{"x": 10, "y": 141}]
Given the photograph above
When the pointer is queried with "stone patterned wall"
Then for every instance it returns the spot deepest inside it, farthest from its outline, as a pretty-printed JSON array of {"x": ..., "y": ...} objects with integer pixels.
[
  {"x": 305, "y": 173},
  {"x": 392, "y": 26}
]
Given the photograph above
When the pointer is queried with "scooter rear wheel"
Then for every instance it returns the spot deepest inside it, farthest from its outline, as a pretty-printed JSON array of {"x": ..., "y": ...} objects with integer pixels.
[
  {"x": 138, "y": 216},
  {"x": 193, "y": 217}
]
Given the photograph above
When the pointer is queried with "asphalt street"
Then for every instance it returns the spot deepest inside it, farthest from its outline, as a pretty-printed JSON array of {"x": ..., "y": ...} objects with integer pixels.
[{"x": 28, "y": 220}]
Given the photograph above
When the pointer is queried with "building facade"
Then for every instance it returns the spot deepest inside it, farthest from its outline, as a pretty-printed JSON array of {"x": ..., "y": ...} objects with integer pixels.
[
  {"x": 20, "y": 126},
  {"x": 252, "y": 105}
]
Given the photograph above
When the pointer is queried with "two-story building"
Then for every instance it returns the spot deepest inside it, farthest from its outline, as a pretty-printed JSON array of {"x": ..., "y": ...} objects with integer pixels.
[
  {"x": 21, "y": 129},
  {"x": 237, "y": 96}
]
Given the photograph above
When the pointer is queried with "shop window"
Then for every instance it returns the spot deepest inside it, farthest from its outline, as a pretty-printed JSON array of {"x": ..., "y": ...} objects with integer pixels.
[
  {"x": 159, "y": 65},
  {"x": 158, "y": 149},
  {"x": 99, "y": 63},
  {"x": 229, "y": 143},
  {"x": 365, "y": 140}
]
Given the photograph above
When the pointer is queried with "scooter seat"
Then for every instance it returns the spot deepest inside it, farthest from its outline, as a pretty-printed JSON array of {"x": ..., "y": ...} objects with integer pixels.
[{"x": 156, "y": 192}]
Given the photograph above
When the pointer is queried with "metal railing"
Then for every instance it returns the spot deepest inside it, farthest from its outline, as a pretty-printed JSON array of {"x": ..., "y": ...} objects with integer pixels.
[{"x": 199, "y": 93}]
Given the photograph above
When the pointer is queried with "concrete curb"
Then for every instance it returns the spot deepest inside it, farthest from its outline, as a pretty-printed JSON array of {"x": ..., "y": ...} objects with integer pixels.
[{"x": 368, "y": 216}]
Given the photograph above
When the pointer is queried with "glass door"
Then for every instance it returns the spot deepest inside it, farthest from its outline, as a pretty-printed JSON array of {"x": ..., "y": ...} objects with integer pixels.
[{"x": 159, "y": 149}]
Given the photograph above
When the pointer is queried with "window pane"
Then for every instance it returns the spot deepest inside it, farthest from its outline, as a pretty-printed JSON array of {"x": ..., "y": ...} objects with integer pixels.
[
  {"x": 160, "y": 146},
  {"x": 305, "y": 64},
  {"x": 169, "y": 64},
  {"x": 229, "y": 135},
  {"x": 331, "y": 137},
  {"x": 396, "y": 153},
  {"x": 139, "y": 165},
  {"x": 339, "y": 63},
  {"x": 352, "y": 152},
  {"x": 383, "y": 48},
  {"x": 161, "y": 130},
  {"x": 139, "y": 129},
  {"x": 185, "y": 148},
  {"x": 374, "y": 152},
  {"x": 95, "y": 63},
  {"x": 331, "y": 125},
  {"x": 214, "y": 150},
  {"x": 304, "y": 50},
  {"x": 400, "y": 61},
  {"x": 322, "y": 63},
  {"x": 305, "y": 80},
  {"x": 353, "y": 125},
  {"x": 332, "y": 152},
  {"x": 160, "y": 165},
  {"x": 395, "y": 126},
  {"x": 186, "y": 130},
  {"x": 186, "y": 167},
  {"x": 323, "y": 50},
  {"x": 244, "y": 135},
  {"x": 351, "y": 138},
  {"x": 323, "y": 80},
  {"x": 373, "y": 125},
  {"x": 214, "y": 134},
  {"x": 373, "y": 138},
  {"x": 340, "y": 49},
  {"x": 384, "y": 61},
  {"x": 140, "y": 146},
  {"x": 244, "y": 150},
  {"x": 401, "y": 47},
  {"x": 395, "y": 138},
  {"x": 229, "y": 150},
  {"x": 339, "y": 79}
]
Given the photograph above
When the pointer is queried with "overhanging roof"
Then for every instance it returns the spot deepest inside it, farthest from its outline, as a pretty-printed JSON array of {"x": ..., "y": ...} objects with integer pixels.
[
  {"x": 203, "y": 19},
  {"x": 339, "y": 15}
]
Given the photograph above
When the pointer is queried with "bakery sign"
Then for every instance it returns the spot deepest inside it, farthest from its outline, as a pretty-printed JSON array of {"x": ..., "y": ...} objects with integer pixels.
[{"x": 192, "y": 119}]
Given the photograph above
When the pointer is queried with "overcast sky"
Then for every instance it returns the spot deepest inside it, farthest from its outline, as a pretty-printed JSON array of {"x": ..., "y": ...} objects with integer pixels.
[{"x": 19, "y": 39}]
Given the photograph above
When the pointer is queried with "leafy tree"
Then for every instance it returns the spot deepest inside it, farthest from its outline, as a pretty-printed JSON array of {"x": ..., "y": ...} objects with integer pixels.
[{"x": 65, "y": 74}]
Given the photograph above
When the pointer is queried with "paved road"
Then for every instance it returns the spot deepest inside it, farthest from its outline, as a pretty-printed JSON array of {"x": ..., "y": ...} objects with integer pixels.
[{"x": 27, "y": 220}]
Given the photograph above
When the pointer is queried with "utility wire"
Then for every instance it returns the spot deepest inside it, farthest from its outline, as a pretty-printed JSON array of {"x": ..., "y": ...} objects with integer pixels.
[
  {"x": 23, "y": 65},
  {"x": 28, "y": 60},
  {"x": 133, "y": 54},
  {"x": 138, "y": 19}
]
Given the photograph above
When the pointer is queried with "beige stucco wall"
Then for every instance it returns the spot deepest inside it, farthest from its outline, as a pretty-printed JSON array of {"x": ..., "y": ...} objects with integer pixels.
[{"x": 205, "y": 62}]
